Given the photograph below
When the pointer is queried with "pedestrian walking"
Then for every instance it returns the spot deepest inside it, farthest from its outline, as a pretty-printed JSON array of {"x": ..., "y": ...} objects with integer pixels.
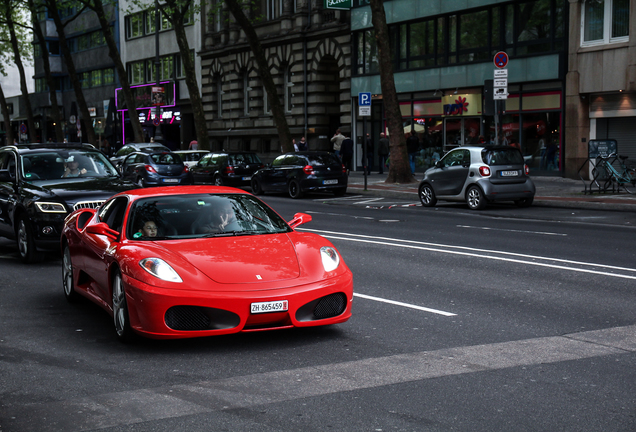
[
  {"x": 337, "y": 139},
  {"x": 368, "y": 148},
  {"x": 302, "y": 144},
  {"x": 295, "y": 145},
  {"x": 383, "y": 151},
  {"x": 413, "y": 148},
  {"x": 346, "y": 150}
]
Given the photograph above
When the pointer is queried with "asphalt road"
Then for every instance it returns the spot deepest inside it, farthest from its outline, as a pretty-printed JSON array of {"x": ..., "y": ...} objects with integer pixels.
[{"x": 505, "y": 319}]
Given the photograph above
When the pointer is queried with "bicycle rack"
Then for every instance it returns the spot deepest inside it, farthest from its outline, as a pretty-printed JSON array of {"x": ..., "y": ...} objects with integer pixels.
[{"x": 600, "y": 175}]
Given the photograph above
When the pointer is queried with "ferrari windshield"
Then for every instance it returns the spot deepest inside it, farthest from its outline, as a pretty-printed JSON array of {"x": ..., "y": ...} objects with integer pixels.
[
  {"x": 201, "y": 215},
  {"x": 66, "y": 163}
]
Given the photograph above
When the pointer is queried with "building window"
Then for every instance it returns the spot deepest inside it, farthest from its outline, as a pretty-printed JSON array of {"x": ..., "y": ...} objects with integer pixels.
[
  {"x": 219, "y": 96},
  {"x": 134, "y": 25},
  {"x": 274, "y": 9},
  {"x": 289, "y": 86},
  {"x": 96, "y": 78},
  {"x": 40, "y": 85},
  {"x": 604, "y": 21},
  {"x": 109, "y": 76},
  {"x": 246, "y": 94},
  {"x": 164, "y": 24},
  {"x": 136, "y": 72},
  {"x": 85, "y": 79}
]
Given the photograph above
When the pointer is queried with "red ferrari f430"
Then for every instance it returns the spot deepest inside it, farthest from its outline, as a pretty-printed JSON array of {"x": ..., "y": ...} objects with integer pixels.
[{"x": 189, "y": 261}]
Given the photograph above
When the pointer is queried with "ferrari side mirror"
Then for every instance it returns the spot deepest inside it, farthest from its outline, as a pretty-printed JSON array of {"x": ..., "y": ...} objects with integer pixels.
[
  {"x": 102, "y": 229},
  {"x": 299, "y": 219}
]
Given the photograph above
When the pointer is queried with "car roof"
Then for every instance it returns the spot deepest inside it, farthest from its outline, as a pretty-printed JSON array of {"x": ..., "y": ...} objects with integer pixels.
[
  {"x": 181, "y": 190},
  {"x": 39, "y": 147}
]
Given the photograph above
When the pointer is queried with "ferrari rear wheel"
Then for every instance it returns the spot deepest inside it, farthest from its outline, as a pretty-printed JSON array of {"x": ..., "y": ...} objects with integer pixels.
[
  {"x": 120, "y": 309},
  {"x": 67, "y": 276}
]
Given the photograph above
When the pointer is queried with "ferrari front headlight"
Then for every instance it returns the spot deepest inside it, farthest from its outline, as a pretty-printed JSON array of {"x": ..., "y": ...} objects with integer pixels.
[
  {"x": 160, "y": 269},
  {"x": 50, "y": 207},
  {"x": 330, "y": 258}
]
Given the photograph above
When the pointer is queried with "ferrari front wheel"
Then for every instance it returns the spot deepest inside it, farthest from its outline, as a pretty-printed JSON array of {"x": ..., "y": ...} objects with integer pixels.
[
  {"x": 67, "y": 276},
  {"x": 120, "y": 309}
]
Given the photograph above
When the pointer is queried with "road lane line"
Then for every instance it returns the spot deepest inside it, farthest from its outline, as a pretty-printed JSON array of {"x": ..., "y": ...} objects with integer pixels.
[
  {"x": 587, "y": 263},
  {"x": 407, "y": 305},
  {"x": 511, "y": 230},
  {"x": 100, "y": 411}
]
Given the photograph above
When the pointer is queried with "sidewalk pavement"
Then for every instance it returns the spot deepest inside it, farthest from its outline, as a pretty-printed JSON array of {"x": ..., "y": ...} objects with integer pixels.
[{"x": 551, "y": 192}]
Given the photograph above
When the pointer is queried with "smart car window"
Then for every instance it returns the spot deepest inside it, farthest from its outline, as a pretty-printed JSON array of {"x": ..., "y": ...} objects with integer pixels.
[{"x": 505, "y": 156}]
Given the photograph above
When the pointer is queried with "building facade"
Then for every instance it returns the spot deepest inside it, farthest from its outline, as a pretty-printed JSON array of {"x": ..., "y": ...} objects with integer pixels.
[
  {"x": 443, "y": 58},
  {"x": 601, "y": 79},
  {"x": 94, "y": 68},
  {"x": 139, "y": 49},
  {"x": 309, "y": 54}
]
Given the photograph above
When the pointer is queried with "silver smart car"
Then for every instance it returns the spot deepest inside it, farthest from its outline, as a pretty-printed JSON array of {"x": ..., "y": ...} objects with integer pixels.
[{"x": 478, "y": 175}]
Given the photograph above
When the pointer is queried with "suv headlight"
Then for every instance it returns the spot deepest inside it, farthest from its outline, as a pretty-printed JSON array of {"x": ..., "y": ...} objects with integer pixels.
[{"x": 50, "y": 207}]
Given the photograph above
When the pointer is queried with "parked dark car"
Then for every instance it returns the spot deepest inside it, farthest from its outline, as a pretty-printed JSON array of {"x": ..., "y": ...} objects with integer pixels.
[
  {"x": 226, "y": 168},
  {"x": 301, "y": 172},
  {"x": 136, "y": 147},
  {"x": 156, "y": 169},
  {"x": 191, "y": 157},
  {"x": 40, "y": 184},
  {"x": 478, "y": 175}
]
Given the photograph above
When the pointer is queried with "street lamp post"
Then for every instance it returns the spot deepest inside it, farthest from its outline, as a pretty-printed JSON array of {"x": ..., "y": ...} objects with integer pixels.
[{"x": 158, "y": 136}]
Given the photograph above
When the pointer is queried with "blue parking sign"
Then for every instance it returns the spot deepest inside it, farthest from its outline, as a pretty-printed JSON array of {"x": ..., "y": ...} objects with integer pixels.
[{"x": 364, "y": 99}]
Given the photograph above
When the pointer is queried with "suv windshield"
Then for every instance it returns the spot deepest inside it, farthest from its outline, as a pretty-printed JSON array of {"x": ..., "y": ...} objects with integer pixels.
[
  {"x": 56, "y": 164},
  {"x": 504, "y": 156},
  {"x": 201, "y": 215}
]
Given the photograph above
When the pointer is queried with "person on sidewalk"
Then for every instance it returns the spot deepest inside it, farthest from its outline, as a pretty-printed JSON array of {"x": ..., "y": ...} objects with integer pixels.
[
  {"x": 368, "y": 144},
  {"x": 302, "y": 145},
  {"x": 337, "y": 139},
  {"x": 295, "y": 145},
  {"x": 346, "y": 151},
  {"x": 413, "y": 148},
  {"x": 383, "y": 151}
]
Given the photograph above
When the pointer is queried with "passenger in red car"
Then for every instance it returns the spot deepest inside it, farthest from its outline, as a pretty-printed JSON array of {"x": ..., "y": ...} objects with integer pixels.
[{"x": 149, "y": 229}]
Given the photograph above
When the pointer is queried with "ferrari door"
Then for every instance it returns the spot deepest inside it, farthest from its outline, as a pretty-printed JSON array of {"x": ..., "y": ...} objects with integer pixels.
[{"x": 100, "y": 249}]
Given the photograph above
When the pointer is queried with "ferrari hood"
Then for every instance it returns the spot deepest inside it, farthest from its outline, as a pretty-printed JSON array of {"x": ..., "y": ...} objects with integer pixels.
[{"x": 242, "y": 259}]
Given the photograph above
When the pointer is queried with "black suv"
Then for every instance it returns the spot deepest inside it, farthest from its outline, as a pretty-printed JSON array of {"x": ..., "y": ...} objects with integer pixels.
[
  {"x": 40, "y": 184},
  {"x": 226, "y": 168}
]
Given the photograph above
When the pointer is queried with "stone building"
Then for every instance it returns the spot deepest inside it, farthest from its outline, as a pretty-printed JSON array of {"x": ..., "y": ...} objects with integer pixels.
[{"x": 309, "y": 54}]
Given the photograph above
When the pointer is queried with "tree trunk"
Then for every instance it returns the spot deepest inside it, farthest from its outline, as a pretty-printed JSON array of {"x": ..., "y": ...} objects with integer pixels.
[
  {"x": 70, "y": 66},
  {"x": 399, "y": 169},
  {"x": 55, "y": 109},
  {"x": 278, "y": 112},
  {"x": 7, "y": 119},
  {"x": 23, "y": 83},
  {"x": 176, "y": 15},
  {"x": 113, "y": 52}
]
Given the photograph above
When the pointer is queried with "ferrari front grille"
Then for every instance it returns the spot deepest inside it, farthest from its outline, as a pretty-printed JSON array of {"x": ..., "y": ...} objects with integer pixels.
[
  {"x": 193, "y": 318},
  {"x": 330, "y": 306},
  {"x": 88, "y": 204}
]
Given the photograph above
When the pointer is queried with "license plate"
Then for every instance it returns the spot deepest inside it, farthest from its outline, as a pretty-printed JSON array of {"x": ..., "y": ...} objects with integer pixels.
[
  {"x": 246, "y": 178},
  {"x": 326, "y": 182},
  {"x": 509, "y": 173},
  {"x": 171, "y": 180},
  {"x": 271, "y": 306}
]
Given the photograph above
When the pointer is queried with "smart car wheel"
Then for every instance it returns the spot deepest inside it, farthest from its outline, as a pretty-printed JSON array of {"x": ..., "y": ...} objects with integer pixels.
[
  {"x": 427, "y": 196},
  {"x": 475, "y": 198},
  {"x": 256, "y": 187},
  {"x": 26, "y": 244},
  {"x": 218, "y": 180},
  {"x": 524, "y": 202},
  {"x": 294, "y": 189},
  {"x": 120, "y": 309},
  {"x": 67, "y": 276}
]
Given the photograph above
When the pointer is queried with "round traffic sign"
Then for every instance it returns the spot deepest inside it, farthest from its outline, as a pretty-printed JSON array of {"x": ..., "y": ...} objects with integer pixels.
[
  {"x": 156, "y": 121},
  {"x": 501, "y": 59},
  {"x": 23, "y": 128}
]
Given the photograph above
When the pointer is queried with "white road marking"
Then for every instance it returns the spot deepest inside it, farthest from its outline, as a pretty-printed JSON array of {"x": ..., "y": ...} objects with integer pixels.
[
  {"x": 511, "y": 230},
  {"x": 369, "y": 201},
  {"x": 99, "y": 411},
  {"x": 479, "y": 253},
  {"x": 407, "y": 305}
]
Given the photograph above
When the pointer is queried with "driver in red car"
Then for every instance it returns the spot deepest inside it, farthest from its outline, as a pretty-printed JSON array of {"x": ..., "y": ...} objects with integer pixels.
[{"x": 219, "y": 218}]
